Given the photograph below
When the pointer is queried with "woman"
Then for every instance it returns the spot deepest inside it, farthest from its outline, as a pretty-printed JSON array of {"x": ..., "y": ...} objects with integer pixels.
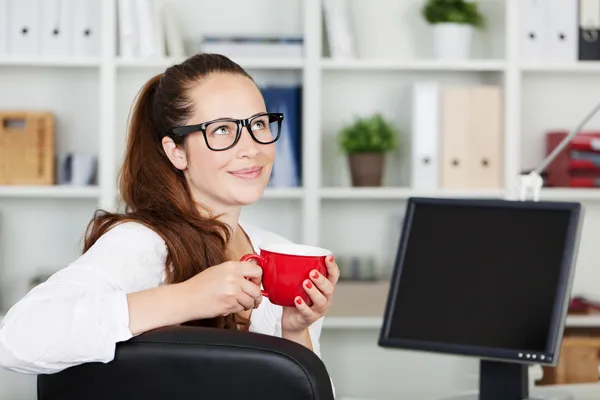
[{"x": 187, "y": 173}]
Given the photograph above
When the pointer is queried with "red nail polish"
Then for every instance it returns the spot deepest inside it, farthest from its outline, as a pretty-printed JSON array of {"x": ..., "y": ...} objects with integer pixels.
[
  {"x": 298, "y": 300},
  {"x": 308, "y": 284},
  {"x": 315, "y": 275},
  {"x": 330, "y": 258}
]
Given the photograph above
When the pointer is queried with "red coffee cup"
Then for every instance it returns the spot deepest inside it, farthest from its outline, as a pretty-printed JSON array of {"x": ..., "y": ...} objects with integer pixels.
[{"x": 285, "y": 268}]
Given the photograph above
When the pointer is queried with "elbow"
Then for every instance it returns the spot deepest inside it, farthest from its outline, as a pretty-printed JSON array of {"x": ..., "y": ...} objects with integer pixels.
[{"x": 9, "y": 354}]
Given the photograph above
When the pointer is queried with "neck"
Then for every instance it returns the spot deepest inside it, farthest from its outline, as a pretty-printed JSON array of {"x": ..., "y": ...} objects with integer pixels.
[{"x": 228, "y": 215}]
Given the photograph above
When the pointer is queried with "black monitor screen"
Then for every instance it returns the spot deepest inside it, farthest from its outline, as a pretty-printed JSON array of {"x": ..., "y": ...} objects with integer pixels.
[{"x": 482, "y": 274}]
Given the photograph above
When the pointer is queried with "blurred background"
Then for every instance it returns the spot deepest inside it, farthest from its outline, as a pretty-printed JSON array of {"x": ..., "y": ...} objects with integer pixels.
[{"x": 384, "y": 99}]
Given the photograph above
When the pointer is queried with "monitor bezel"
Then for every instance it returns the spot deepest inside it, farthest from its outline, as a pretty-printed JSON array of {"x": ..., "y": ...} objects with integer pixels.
[{"x": 559, "y": 314}]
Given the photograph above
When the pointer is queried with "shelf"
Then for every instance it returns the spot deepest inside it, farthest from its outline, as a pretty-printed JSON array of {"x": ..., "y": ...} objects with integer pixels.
[
  {"x": 283, "y": 193},
  {"x": 334, "y": 322},
  {"x": 47, "y": 61},
  {"x": 57, "y": 191},
  {"x": 250, "y": 63},
  {"x": 582, "y": 66},
  {"x": 408, "y": 65},
  {"x": 570, "y": 194},
  {"x": 349, "y": 193},
  {"x": 352, "y": 322}
]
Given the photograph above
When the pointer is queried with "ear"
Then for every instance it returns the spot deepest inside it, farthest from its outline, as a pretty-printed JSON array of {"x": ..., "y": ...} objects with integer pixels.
[{"x": 175, "y": 153}]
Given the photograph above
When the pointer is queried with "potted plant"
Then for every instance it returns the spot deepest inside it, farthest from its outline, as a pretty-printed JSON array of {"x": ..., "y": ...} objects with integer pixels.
[
  {"x": 453, "y": 23},
  {"x": 365, "y": 141}
]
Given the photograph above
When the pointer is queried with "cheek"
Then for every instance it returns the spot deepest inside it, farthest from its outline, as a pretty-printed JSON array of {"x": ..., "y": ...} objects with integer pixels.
[
  {"x": 205, "y": 162},
  {"x": 269, "y": 152}
]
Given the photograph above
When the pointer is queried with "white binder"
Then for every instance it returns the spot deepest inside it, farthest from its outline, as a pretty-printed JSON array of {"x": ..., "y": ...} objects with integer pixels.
[
  {"x": 127, "y": 22},
  {"x": 86, "y": 27},
  {"x": 55, "y": 27},
  {"x": 563, "y": 33},
  {"x": 425, "y": 135},
  {"x": 3, "y": 27},
  {"x": 533, "y": 33},
  {"x": 338, "y": 27},
  {"x": 23, "y": 27}
]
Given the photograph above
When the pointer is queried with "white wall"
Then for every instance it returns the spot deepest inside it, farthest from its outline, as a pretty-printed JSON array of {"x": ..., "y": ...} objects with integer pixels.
[{"x": 45, "y": 234}]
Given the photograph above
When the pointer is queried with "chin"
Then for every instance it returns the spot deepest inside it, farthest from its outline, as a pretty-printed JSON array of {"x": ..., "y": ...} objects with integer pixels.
[{"x": 247, "y": 195}]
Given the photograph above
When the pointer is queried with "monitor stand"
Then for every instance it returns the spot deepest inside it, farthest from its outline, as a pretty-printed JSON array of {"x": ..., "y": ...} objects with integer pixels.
[{"x": 506, "y": 381}]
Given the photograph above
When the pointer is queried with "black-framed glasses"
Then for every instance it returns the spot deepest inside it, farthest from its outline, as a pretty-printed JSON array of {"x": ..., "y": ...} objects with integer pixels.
[{"x": 223, "y": 133}]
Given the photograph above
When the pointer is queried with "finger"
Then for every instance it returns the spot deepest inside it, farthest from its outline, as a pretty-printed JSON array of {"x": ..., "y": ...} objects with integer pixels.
[
  {"x": 322, "y": 283},
  {"x": 251, "y": 271},
  {"x": 319, "y": 301},
  {"x": 252, "y": 290},
  {"x": 333, "y": 271},
  {"x": 307, "y": 313},
  {"x": 246, "y": 301}
]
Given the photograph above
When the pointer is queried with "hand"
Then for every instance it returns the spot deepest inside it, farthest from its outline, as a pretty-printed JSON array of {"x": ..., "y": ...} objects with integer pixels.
[
  {"x": 320, "y": 290},
  {"x": 230, "y": 287}
]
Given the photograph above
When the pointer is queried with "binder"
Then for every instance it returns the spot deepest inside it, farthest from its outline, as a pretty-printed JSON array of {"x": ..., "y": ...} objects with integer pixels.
[
  {"x": 23, "y": 27},
  {"x": 340, "y": 38},
  {"x": 455, "y": 120},
  {"x": 3, "y": 27},
  {"x": 533, "y": 32},
  {"x": 563, "y": 36},
  {"x": 287, "y": 166},
  {"x": 127, "y": 29},
  {"x": 485, "y": 138},
  {"x": 589, "y": 30},
  {"x": 425, "y": 136},
  {"x": 86, "y": 27},
  {"x": 55, "y": 27},
  {"x": 146, "y": 29}
]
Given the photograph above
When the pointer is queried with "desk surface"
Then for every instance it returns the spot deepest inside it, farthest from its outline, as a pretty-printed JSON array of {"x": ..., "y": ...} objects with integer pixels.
[{"x": 555, "y": 392}]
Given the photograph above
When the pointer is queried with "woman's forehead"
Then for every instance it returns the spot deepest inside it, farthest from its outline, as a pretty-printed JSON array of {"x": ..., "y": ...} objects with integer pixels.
[{"x": 226, "y": 95}]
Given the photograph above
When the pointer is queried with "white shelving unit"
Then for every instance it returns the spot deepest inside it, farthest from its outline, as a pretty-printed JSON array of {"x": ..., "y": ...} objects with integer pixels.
[
  {"x": 41, "y": 227},
  {"x": 382, "y": 73}
]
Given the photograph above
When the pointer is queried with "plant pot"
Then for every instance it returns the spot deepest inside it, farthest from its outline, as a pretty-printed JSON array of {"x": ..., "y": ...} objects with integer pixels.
[
  {"x": 452, "y": 41},
  {"x": 366, "y": 169}
]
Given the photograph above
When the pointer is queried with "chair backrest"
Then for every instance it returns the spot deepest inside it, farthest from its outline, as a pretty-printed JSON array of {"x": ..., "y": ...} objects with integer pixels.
[{"x": 184, "y": 362}]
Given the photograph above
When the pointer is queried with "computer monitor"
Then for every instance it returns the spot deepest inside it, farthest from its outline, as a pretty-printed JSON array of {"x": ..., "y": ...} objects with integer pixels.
[{"x": 485, "y": 278}]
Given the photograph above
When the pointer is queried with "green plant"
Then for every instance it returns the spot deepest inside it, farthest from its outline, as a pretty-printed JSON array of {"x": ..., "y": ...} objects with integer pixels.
[
  {"x": 457, "y": 11},
  {"x": 368, "y": 135}
]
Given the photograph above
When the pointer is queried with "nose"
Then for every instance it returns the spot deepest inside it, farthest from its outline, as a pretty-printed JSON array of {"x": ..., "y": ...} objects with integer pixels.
[{"x": 246, "y": 146}]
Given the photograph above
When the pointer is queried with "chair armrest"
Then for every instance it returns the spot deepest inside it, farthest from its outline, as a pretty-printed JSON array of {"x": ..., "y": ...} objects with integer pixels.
[{"x": 185, "y": 362}]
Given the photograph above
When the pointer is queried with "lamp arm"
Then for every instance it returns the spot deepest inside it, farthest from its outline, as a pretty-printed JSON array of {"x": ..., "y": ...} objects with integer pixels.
[{"x": 533, "y": 182}]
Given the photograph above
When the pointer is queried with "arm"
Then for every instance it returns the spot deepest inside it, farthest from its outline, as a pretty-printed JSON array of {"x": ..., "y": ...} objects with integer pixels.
[{"x": 81, "y": 312}]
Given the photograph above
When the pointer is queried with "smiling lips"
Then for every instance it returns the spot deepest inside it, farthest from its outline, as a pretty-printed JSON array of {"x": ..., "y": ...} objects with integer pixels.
[{"x": 247, "y": 173}]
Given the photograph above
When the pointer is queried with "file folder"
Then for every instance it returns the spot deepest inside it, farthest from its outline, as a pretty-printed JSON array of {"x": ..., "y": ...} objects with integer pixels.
[
  {"x": 589, "y": 30},
  {"x": 425, "y": 136},
  {"x": 23, "y": 27},
  {"x": 55, "y": 27}
]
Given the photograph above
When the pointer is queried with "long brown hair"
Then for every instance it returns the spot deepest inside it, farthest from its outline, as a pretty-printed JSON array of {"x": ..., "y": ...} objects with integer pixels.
[{"x": 155, "y": 193}]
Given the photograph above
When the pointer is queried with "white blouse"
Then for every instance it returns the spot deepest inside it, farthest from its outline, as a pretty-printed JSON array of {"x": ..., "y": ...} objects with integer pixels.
[{"x": 80, "y": 313}]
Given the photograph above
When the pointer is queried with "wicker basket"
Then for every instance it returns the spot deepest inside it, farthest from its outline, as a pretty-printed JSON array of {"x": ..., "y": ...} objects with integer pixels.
[{"x": 26, "y": 148}]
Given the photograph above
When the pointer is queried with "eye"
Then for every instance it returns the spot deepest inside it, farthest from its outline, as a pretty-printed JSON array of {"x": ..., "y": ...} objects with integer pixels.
[
  {"x": 221, "y": 130},
  {"x": 260, "y": 124}
]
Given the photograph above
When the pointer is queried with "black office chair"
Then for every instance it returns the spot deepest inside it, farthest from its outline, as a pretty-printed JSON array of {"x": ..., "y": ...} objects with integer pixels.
[{"x": 184, "y": 362}]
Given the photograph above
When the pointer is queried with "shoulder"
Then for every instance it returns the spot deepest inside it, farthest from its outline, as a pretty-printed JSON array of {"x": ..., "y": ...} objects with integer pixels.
[{"x": 132, "y": 237}]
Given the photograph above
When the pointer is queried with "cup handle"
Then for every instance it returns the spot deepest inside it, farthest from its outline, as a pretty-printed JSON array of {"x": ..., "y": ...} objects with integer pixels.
[{"x": 260, "y": 261}]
